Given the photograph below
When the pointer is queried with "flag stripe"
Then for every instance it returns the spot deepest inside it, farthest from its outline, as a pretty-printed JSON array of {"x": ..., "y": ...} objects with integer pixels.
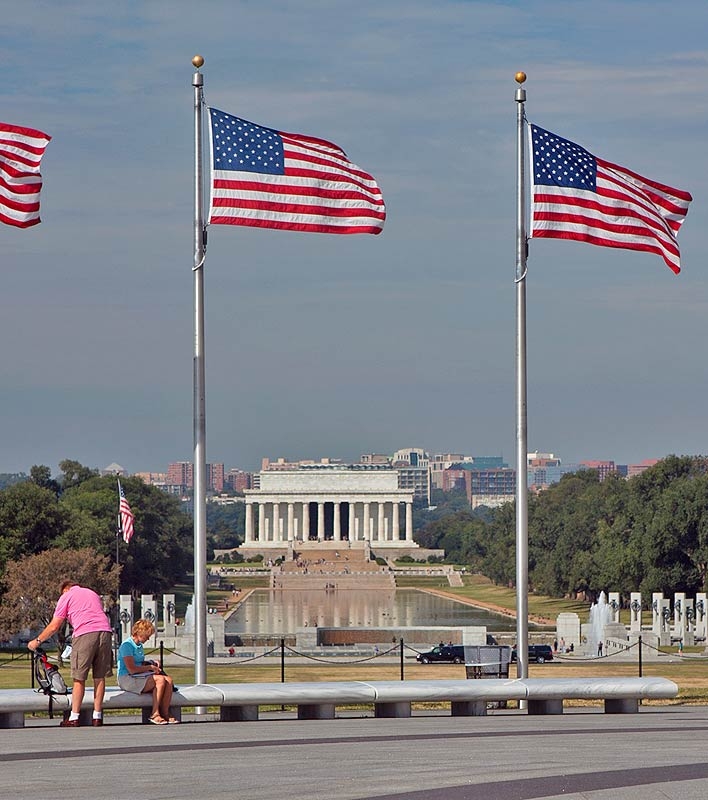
[
  {"x": 579, "y": 196},
  {"x": 127, "y": 519},
  {"x": 270, "y": 179},
  {"x": 21, "y": 151},
  {"x": 601, "y": 215},
  {"x": 291, "y": 223}
]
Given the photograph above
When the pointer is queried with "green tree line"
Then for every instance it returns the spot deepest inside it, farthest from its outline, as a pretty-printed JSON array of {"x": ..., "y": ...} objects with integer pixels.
[
  {"x": 648, "y": 533},
  {"x": 79, "y": 510}
]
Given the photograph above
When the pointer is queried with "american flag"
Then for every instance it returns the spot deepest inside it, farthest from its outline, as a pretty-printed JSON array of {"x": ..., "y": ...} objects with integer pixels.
[
  {"x": 269, "y": 179},
  {"x": 126, "y": 516},
  {"x": 579, "y": 196},
  {"x": 21, "y": 150}
]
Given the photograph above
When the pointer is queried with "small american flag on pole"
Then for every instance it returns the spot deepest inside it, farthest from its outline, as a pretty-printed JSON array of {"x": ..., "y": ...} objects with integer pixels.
[
  {"x": 21, "y": 151},
  {"x": 577, "y": 195},
  {"x": 265, "y": 178},
  {"x": 127, "y": 517}
]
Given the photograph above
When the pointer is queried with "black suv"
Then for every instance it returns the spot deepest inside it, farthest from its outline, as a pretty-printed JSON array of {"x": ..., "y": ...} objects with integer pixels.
[
  {"x": 447, "y": 653},
  {"x": 540, "y": 653}
]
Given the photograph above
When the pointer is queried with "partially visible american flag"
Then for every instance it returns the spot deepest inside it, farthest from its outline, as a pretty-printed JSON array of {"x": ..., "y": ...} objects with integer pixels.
[
  {"x": 579, "y": 196},
  {"x": 21, "y": 150},
  {"x": 269, "y": 179},
  {"x": 127, "y": 517}
]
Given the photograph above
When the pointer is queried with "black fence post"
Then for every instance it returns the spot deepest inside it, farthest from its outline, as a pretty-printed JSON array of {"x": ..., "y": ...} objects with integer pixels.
[
  {"x": 640, "y": 656},
  {"x": 402, "y": 675},
  {"x": 162, "y": 655},
  {"x": 32, "y": 658}
]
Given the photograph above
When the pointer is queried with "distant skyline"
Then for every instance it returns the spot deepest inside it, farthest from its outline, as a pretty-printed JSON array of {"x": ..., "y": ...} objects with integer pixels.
[
  {"x": 340, "y": 345},
  {"x": 353, "y": 460}
]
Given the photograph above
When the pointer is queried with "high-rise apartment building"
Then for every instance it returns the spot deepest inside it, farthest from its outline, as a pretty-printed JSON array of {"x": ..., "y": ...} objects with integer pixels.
[
  {"x": 238, "y": 480},
  {"x": 181, "y": 474}
]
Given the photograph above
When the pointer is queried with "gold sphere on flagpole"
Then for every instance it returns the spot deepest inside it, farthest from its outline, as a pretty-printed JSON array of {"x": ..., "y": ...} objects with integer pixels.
[
  {"x": 520, "y": 77},
  {"x": 197, "y": 61}
]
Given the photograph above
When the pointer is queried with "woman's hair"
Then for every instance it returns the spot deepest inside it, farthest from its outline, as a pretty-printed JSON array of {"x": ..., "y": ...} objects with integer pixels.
[{"x": 143, "y": 626}]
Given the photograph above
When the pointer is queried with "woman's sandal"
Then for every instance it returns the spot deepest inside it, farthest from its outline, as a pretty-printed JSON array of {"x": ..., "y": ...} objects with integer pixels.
[
  {"x": 173, "y": 721},
  {"x": 156, "y": 719}
]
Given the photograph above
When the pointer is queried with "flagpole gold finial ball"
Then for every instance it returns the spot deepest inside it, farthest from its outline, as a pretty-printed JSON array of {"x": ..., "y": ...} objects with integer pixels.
[
  {"x": 520, "y": 77},
  {"x": 198, "y": 61}
]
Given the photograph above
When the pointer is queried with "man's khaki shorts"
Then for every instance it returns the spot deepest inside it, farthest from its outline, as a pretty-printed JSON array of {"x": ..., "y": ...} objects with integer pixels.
[{"x": 92, "y": 651}]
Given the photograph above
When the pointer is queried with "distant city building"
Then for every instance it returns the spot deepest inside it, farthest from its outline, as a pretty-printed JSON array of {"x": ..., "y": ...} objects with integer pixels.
[
  {"x": 637, "y": 469},
  {"x": 410, "y": 456},
  {"x": 490, "y": 487},
  {"x": 113, "y": 469},
  {"x": 375, "y": 458},
  {"x": 238, "y": 481},
  {"x": 441, "y": 462},
  {"x": 180, "y": 474},
  {"x": 604, "y": 468},
  {"x": 180, "y": 477},
  {"x": 153, "y": 478}
]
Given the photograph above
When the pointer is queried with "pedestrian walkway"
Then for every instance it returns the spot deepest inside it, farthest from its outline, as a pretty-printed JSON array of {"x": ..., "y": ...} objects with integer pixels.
[{"x": 582, "y": 754}]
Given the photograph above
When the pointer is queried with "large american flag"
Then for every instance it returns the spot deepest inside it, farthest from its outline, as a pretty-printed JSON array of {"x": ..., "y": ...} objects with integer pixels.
[
  {"x": 269, "y": 179},
  {"x": 579, "y": 196},
  {"x": 126, "y": 516},
  {"x": 21, "y": 150}
]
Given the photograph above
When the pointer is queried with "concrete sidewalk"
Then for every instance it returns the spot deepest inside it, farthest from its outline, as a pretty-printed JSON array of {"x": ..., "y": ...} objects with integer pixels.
[{"x": 659, "y": 753}]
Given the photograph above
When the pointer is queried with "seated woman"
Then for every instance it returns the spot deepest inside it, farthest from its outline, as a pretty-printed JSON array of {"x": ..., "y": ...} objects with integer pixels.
[{"x": 136, "y": 674}]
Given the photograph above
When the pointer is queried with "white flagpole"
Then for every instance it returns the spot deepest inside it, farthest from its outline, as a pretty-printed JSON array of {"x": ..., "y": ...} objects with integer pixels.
[
  {"x": 522, "y": 544},
  {"x": 200, "y": 598}
]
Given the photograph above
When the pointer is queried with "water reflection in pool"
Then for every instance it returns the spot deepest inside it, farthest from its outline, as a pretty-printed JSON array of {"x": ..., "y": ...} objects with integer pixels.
[{"x": 283, "y": 612}]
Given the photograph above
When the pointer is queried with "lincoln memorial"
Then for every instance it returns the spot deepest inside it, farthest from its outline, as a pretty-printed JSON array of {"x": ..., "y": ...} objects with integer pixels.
[{"x": 327, "y": 504}]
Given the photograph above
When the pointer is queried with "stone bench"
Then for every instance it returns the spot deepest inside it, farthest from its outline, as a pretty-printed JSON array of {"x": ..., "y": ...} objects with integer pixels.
[
  {"x": 621, "y": 695},
  {"x": 314, "y": 700}
]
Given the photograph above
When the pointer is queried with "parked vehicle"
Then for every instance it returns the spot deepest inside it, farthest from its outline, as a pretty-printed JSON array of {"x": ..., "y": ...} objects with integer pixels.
[
  {"x": 538, "y": 653},
  {"x": 445, "y": 653},
  {"x": 448, "y": 653}
]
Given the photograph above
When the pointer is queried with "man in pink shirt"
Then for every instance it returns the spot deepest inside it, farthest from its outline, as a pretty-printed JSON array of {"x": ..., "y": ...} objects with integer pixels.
[{"x": 90, "y": 646}]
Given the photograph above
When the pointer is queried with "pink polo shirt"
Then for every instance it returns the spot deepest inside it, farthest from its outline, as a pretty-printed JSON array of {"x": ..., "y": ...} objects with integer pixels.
[{"x": 84, "y": 610}]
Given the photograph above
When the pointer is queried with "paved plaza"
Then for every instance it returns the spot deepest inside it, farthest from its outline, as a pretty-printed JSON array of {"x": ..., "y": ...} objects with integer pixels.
[{"x": 662, "y": 752}]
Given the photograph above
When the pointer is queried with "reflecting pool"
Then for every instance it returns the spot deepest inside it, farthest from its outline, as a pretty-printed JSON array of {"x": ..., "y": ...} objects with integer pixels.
[{"x": 283, "y": 612}]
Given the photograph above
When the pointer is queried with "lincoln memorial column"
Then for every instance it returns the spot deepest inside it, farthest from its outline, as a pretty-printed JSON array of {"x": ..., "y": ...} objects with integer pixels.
[
  {"x": 249, "y": 522},
  {"x": 396, "y": 522},
  {"x": 409, "y": 522},
  {"x": 380, "y": 533},
  {"x": 367, "y": 522},
  {"x": 305, "y": 521},
  {"x": 320, "y": 521},
  {"x": 291, "y": 521},
  {"x": 337, "y": 522},
  {"x": 261, "y": 522},
  {"x": 352, "y": 531},
  {"x": 276, "y": 522}
]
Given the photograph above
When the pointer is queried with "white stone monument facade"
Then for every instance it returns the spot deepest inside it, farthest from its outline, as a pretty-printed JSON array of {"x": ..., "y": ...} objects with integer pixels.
[
  {"x": 125, "y": 615},
  {"x": 354, "y": 503},
  {"x": 148, "y": 611}
]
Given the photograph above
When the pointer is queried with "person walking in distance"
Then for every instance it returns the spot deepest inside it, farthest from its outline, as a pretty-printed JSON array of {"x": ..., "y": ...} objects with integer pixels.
[{"x": 90, "y": 647}]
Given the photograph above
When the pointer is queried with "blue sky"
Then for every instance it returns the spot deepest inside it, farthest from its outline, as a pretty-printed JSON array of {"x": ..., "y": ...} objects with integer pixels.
[{"x": 341, "y": 345}]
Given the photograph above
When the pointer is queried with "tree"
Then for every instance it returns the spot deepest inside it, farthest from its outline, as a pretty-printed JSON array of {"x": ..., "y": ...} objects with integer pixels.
[
  {"x": 42, "y": 476},
  {"x": 225, "y": 525},
  {"x": 8, "y": 478},
  {"x": 160, "y": 552},
  {"x": 32, "y": 585},
  {"x": 30, "y": 521},
  {"x": 74, "y": 473}
]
